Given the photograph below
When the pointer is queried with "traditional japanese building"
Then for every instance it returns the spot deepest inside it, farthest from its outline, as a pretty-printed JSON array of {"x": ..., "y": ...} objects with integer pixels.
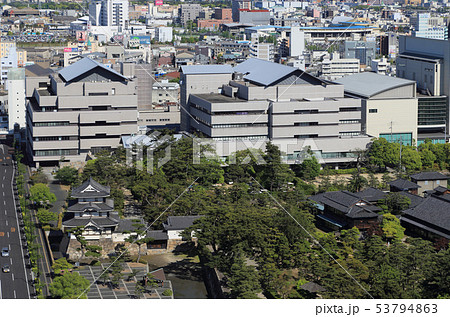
[{"x": 92, "y": 210}]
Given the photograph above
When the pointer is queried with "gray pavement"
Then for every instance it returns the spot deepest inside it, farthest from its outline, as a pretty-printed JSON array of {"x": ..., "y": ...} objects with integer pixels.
[{"x": 16, "y": 283}]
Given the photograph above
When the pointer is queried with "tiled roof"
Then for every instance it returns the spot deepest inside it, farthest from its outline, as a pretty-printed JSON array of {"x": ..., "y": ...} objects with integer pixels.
[
  {"x": 179, "y": 222},
  {"x": 371, "y": 194},
  {"x": 403, "y": 184},
  {"x": 90, "y": 188},
  {"x": 424, "y": 176}
]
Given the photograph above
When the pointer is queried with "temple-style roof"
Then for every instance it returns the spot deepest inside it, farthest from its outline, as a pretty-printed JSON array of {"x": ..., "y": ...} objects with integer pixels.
[
  {"x": 403, "y": 184},
  {"x": 179, "y": 222},
  {"x": 99, "y": 222},
  {"x": 90, "y": 189},
  {"x": 101, "y": 207}
]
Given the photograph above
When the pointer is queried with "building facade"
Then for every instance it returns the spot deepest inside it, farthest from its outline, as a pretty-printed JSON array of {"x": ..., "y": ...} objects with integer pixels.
[
  {"x": 78, "y": 111},
  {"x": 365, "y": 51}
]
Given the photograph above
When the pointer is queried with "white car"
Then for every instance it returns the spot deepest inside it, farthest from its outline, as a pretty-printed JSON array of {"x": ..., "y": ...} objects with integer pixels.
[{"x": 5, "y": 251}]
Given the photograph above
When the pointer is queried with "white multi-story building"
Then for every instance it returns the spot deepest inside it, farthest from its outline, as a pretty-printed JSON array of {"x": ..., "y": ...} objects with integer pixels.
[
  {"x": 164, "y": 34},
  {"x": 16, "y": 98},
  {"x": 109, "y": 13},
  {"x": 264, "y": 51},
  {"x": 336, "y": 67},
  {"x": 380, "y": 66},
  {"x": 423, "y": 28}
]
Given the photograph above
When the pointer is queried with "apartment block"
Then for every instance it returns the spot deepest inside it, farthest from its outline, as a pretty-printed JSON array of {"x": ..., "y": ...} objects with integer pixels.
[
  {"x": 365, "y": 51},
  {"x": 189, "y": 12},
  {"x": 79, "y": 111},
  {"x": 336, "y": 67}
]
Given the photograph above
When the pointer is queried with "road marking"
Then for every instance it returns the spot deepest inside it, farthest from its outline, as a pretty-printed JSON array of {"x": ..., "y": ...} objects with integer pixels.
[
  {"x": 10, "y": 260},
  {"x": 4, "y": 195},
  {"x": 12, "y": 276},
  {"x": 1, "y": 296},
  {"x": 8, "y": 234},
  {"x": 6, "y": 222},
  {"x": 15, "y": 294}
]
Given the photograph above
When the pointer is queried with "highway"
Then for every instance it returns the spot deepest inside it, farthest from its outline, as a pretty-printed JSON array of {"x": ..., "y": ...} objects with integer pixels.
[{"x": 14, "y": 284}]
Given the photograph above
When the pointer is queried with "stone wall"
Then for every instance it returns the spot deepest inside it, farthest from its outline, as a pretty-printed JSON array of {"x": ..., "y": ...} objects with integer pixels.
[{"x": 108, "y": 247}]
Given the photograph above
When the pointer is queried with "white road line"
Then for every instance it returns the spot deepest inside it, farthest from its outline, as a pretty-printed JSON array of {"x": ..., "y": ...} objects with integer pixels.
[
  {"x": 20, "y": 240},
  {"x": 1, "y": 296},
  {"x": 15, "y": 294},
  {"x": 3, "y": 194},
  {"x": 12, "y": 276},
  {"x": 6, "y": 222},
  {"x": 8, "y": 234},
  {"x": 10, "y": 260}
]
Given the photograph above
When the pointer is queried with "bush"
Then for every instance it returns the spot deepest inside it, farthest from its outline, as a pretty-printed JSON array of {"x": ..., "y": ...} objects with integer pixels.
[{"x": 167, "y": 292}]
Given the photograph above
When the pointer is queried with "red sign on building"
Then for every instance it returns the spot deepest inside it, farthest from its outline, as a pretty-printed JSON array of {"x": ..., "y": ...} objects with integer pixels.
[{"x": 158, "y": 2}]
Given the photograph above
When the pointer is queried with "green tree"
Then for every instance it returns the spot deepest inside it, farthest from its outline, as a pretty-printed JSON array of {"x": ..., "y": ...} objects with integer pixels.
[
  {"x": 39, "y": 177},
  {"x": 45, "y": 216},
  {"x": 60, "y": 265},
  {"x": 392, "y": 230},
  {"x": 67, "y": 175},
  {"x": 243, "y": 280},
  {"x": 357, "y": 182},
  {"x": 93, "y": 251},
  {"x": 309, "y": 169},
  {"x": 69, "y": 286},
  {"x": 274, "y": 174},
  {"x": 395, "y": 203},
  {"x": 41, "y": 194}
]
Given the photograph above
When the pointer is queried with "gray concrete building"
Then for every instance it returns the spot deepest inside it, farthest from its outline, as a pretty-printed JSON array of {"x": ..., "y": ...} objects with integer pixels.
[
  {"x": 188, "y": 12},
  {"x": 365, "y": 51},
  {"x": 427, "y": 62},
  {"x": 78, "y": 111},
  {"x": 261, "y": 101}
]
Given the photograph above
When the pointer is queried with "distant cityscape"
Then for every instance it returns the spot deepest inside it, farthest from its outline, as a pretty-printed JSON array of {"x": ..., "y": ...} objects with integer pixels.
[{"x": 353, "y": 87}]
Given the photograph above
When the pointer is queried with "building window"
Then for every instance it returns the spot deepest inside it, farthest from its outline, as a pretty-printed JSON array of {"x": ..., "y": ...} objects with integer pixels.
[
  {"x": 113, "y": 91},
  {"x": 404, "y": 138},
  {"x": 373, "y": 110},
  {"x": 426, "y": 182},
  {"x": 438, "y": 182}
]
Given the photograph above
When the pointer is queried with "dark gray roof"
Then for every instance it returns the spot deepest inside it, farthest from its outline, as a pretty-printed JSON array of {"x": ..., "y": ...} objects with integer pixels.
[
  {"x": 157, "y": 235},
  {"x": 371, "y": 194},
  {"x": 368, "y": 84},
  {"x": 100, "y": 222},
  {"x": 91, "y": 206},
  {"x": 263, "y": 72},
  {"x": 38, "y": 70},
  {"x": 313, "y": 287},
  {"x": 128, "y": 225},
  {"x": 179, "y": 222},
  {"x": 424, "y": 176},
  {"x": 415, "y": 199},
  {"x": 346, "y": 202},
  {"x": 206, "y": 69},
  {"x": 433, "y": 212},
  {"x": 90, "y": 188},
  {"x": 403, "y": 184},
  {"x": 83, "y": 66}
]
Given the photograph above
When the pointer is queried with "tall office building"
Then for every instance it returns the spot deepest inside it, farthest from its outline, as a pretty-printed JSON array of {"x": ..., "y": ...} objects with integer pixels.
[
  {"x": 109, "y": 13},
  {"x": 16, "y": 97}
]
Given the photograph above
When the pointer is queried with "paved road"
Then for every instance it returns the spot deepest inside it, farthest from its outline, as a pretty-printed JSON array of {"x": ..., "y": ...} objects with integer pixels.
[{"x": 14, "y": 284}]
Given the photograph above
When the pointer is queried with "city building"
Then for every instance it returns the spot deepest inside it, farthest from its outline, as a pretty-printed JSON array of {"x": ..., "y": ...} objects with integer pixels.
[
  {"x": 255, "y": 17},
  {"x": 80, "y": 110},
  {"x": 236, "y": 5},
  {"x": 16, "y": 98},
  {"x": 264, "y": 51},
  {"x": 389, "y": 105},
  {"x": 163, "y": 34},
  {"x": 260, "y": 100},
  {"x": 164, "y": 91},
  {"x": 109, "y": 13},
  {"x": 423, "y": 28},
  {"x": 336, "y": 67},
  {"x": 380, "y": 66},
  {"x": 189, "y": 12},
  {"x": 427, "y": 62},
  {"x": 365, "y": 51}
]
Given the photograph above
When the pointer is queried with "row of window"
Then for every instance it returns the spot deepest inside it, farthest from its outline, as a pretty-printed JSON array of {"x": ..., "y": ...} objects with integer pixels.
[
  {"x": 54, "y": 152},
  {"x": 348, "y": 121},
  {"x": 52, "y": 124},
  {"x": 240, "y": 125}
]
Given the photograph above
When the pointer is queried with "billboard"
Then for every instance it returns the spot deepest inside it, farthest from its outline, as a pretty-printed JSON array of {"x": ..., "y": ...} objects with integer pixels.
[
  {"x": 81, "y": 36},
  {"x": 70, "y": 49},
  {"x": 158, "y": 2},
  {"x": 143, "y": 39}
]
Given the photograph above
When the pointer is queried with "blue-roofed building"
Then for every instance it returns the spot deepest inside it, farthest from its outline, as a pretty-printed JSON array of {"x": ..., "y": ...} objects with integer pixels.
[
  {"x": 79, "y": 111},
  {"x": 257, "y": 101}
]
